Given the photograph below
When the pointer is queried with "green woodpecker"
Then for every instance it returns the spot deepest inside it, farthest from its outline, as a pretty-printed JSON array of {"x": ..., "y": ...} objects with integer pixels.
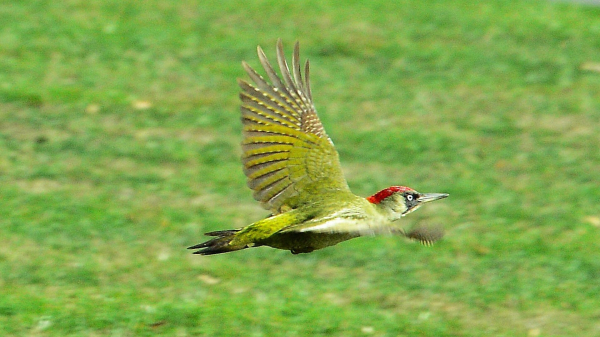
[{"x": 293, "y": 168}]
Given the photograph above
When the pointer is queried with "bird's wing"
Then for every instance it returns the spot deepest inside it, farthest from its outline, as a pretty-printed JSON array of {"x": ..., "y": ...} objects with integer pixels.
[
  {"x": 426, "y": 235},
  {"x": 287, "y": 156}
]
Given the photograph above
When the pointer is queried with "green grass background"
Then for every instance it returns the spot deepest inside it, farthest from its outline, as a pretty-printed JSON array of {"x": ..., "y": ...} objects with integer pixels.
[{"x": 119, "y": 143}]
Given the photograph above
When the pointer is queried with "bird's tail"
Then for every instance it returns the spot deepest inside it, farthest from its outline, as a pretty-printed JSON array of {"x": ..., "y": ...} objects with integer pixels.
[{"x": 222, "y": 243}]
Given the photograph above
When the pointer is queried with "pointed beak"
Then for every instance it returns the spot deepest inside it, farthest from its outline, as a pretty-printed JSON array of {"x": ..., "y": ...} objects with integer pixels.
[{"x": 427, "y": 197}]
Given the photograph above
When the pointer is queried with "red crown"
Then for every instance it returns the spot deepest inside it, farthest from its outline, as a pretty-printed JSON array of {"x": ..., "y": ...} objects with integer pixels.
[{"x": 377, "y": 197}]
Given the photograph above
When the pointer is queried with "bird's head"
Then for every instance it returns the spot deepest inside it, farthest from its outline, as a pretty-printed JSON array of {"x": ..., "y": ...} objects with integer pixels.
[{"x": 401, "y": 200}]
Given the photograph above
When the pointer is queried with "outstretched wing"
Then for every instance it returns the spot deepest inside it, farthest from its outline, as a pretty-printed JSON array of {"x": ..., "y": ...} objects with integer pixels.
[{"x": 287, "y": 156}]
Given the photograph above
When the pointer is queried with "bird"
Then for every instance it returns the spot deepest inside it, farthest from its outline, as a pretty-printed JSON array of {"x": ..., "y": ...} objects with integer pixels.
[{"x": 294, "y": 171}]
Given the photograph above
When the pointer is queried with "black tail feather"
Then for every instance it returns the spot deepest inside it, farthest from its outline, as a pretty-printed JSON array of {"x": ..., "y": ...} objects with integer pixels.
[
  {"x": 222, "y": 233},
  {"x": 218, "y": 245}
]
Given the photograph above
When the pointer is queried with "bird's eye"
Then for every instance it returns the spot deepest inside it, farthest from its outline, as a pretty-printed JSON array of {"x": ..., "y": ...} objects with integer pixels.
[{"x": 409, "y": 197}]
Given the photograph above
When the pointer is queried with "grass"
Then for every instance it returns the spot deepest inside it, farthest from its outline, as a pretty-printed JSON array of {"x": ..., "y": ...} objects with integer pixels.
[{"x": 119, "y": 133}]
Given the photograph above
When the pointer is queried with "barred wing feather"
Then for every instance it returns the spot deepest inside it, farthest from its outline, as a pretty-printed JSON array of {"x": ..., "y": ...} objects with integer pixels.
[{"x": 287, "y": 155}]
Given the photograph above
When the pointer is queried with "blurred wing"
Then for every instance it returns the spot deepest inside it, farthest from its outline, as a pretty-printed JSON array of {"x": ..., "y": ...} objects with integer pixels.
[
  {"x": 287, "y": 155},
  {"x": 426, "y": 235}
]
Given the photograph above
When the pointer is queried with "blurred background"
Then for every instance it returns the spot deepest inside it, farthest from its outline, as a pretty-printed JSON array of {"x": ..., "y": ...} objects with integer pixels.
[{"x": 119, "y": 143}]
